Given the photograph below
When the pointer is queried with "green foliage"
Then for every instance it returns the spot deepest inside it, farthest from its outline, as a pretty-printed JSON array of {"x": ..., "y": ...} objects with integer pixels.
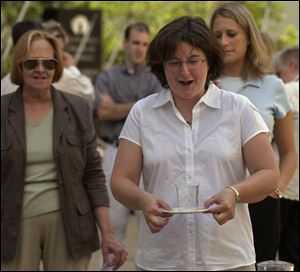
[
  {"x": 289, "y": 37},
  {"x": 260, "y": 8},
  {"x": 116, "y": 15}
]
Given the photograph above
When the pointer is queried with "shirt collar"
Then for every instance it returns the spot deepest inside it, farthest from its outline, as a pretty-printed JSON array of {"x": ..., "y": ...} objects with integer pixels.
[
  {"x": 211, "y": 98},
  {"x": 163, "y": 97},
  {"x": 256, "y": 82},
  {"x": 138, "y": 68}
]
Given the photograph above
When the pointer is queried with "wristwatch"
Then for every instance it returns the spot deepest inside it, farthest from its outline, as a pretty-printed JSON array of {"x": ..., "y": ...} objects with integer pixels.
[{"x": 278, "y": 193}]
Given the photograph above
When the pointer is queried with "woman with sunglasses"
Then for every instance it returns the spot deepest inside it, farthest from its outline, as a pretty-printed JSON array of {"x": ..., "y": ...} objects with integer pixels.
[
  {"x": 192, "y": 132},
  {"x": 52, "y": 186}
]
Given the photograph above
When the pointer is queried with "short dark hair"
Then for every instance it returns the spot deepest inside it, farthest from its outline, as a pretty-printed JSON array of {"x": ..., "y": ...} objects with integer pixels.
[
  {"x": 56, "y": 29},
  {"x": 22, "y": 27},
  {"x": 195, "y": 32},
  {"x": 142, "y": 27}
]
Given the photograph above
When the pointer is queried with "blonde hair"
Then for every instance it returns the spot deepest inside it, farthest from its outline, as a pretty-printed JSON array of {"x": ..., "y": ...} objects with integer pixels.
[
  {"x": 22, "y": 50},
  {"x": 256, "y": 63},
  {"x": 56, "y": 29},
  {"x": 271, "y": 49}
]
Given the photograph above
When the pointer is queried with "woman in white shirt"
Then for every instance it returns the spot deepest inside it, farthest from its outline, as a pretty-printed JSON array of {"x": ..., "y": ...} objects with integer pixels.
[
  {"x": 245, "y": 72},
  {"x": 193, "y": 133}
]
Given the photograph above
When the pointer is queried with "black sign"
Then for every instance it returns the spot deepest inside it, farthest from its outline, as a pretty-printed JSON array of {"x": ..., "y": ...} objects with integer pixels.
[{"x": 83, "y": 29}]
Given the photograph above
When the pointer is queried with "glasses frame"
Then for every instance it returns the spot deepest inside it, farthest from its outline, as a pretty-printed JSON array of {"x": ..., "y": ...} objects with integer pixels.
[
  {"x": 37, "y": 61},
  {"x": 175, "y": 64}
]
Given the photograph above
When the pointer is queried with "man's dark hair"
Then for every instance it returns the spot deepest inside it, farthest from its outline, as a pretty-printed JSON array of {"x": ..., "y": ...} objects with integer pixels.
[
  {"x": 142, "y": 27},
  {"x": 21, "y": 27}
]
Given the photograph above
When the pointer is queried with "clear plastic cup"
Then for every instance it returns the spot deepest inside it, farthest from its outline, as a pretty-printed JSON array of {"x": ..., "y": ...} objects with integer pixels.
[
  {"x": 187, "y": 195},
  {"x": 274, "y": 266}
]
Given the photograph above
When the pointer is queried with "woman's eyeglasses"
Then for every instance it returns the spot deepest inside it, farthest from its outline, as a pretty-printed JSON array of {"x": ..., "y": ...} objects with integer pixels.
[
  {"x": 175, "y": 64},
  {"x": 48, "y": 64}
]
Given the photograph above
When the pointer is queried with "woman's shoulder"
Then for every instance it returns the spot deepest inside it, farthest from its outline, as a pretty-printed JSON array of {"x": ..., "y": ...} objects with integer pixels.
[
  {"x": 7, "y": 98},
  {"x": 147, "y": 101},
  {"x": 71, "y": 98},
  {"x": 232, "y": 96},
  {"x": 271, "y": 80},
  {"x": 74, "y": 101}
]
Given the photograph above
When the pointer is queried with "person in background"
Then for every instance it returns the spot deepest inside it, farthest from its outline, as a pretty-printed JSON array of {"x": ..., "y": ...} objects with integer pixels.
[
  {"x": 18, "y": 30},
  {"x": 72, "y": 81},
  {"x": 287, "y": 66},
  {"x": 246, "y": 72},
  {"x": 117, "y": 89},
  {"x": 192, "y": 132},
  {"x": 53, "y": 189}
]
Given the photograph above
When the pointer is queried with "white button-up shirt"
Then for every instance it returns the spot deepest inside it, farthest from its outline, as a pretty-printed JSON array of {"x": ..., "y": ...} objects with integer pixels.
[{"x": 209, "y": 154}]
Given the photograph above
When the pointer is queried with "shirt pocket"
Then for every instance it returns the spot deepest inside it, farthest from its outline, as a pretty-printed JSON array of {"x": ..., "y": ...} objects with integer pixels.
[
  {"x": 85, "y": 221},
  {"x": 6, "y": 144},
  {"x": 160, "y": 152},
  {"x": 73, "y": 152},
  {"x": 166, "y": 150},
  {"x": 6, "y": 149}
]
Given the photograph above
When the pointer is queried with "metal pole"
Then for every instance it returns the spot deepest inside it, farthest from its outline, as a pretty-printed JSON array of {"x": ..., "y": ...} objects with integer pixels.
[
  {"x": 117, "y": 48},
  {"x": 20, "y": 18},
  {"x": 85, "y": 39},
  {"x": 266, "y": 16}
]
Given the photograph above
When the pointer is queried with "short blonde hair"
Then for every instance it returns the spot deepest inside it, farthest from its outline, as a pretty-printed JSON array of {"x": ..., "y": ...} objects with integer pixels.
[
  {"x": 257, "y": 63},
  {"x": 21, "y": 52},
  {"x": 56, "y": 29}
]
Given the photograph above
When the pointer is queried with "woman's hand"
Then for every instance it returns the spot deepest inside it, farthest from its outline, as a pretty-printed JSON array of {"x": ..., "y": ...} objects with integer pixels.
[
  {"x": 111, "y": 245},
  {"x": 152, "y": 209},
  {"x": 225, "y": 209}
]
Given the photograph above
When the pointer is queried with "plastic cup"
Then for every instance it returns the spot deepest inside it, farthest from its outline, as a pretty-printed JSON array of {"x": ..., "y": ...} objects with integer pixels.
[
  {"x": 187, "y": 195},
  {"x": 275, "y": 266}
]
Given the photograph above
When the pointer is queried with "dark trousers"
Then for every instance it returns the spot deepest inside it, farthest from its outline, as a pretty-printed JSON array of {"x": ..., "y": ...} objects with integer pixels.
[
  {"x": 289, "y": 234},
  {"x": 265, "y": 219}
]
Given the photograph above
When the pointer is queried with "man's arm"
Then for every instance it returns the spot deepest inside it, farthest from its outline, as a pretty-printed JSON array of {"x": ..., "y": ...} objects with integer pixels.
[{"x": 108, "y": 110}]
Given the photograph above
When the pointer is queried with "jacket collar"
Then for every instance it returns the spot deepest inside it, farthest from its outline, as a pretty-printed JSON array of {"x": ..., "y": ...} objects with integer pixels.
[
  {"x": 16, "y": 116},
  {"x": 61, "y": 115}
]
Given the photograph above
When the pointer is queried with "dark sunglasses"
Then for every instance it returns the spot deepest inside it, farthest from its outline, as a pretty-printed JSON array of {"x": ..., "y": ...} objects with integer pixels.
[{"x": 48, "y": 64}]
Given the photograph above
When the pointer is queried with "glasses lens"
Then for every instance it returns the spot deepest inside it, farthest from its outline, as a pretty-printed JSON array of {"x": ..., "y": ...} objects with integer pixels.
[
  {"x": 30, "y": 64},
  {"x": 49, "y": 64},
  {"x": 173, "y": 65},
  {"x": 193, "y": 62}
]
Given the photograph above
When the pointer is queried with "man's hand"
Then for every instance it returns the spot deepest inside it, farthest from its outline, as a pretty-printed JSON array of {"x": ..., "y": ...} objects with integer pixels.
[
  {"x": 109, "y": 110},
  {"x": 68, "y": 60}
]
